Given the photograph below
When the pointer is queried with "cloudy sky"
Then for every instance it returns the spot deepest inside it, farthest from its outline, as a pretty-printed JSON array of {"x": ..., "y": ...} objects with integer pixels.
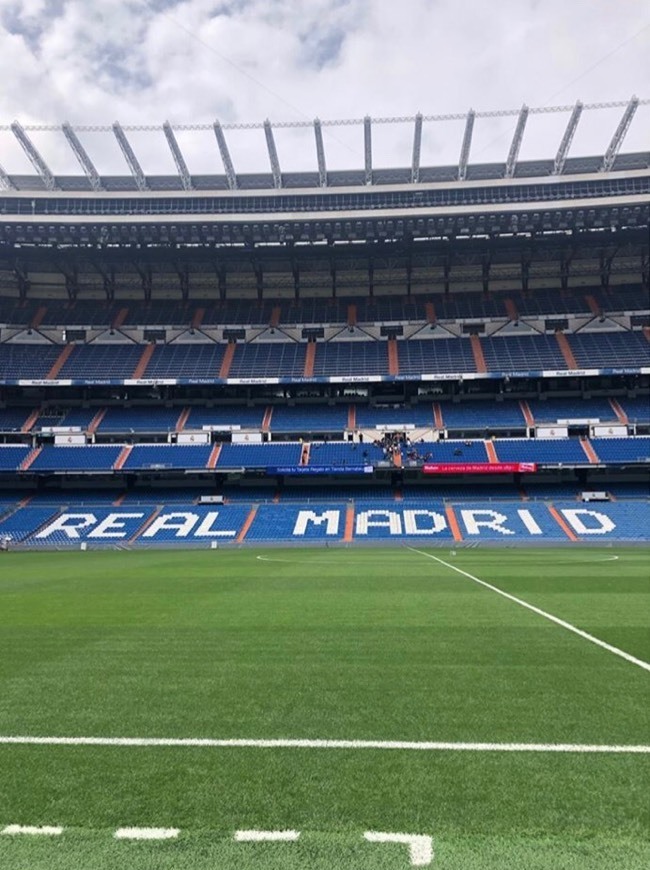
[{"x": 93, "y": 62}]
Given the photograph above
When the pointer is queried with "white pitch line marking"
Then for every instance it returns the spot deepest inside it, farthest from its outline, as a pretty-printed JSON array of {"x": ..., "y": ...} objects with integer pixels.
[
  {"x": 265, "y": 836},
  {"x": 44, "y": 831},
  {"x": 420, "y": 846},
  {"x": 561, "y": 622},
  {"x": 146, "y": 833},
  {"x": 383, "y": 561},
  {"x": 302, "y": 743},
  {"x": 334, "y": 561}
]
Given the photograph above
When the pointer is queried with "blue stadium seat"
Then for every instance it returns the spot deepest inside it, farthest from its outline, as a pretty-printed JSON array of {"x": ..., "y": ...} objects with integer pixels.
[
  {"x": 226, "y": 415},
  {"x": 258, "y": 455},
  {"x": 551, "y": 451},
  {"x": 610, "y": 349},
  {"x": 27, "y": 361},
  {"x": 266, "y": 360},
  {"x": 89, "y": 458},
  {"x": 24, "y": 522},
  {"x": 185, "y": 361},
  {"x": 98, "y": 525},
  {"x": 249, "y": 494},
  {"x": 388, "y": 520},
  {"x": 549, "y": 301},
  {"x": 445, "y": 451},
  {"x": 195, "y": 524},
  {"x": 166, "y": 495},
  {"x": 13, "y": 419},
  {"x": 310, "y": 493},
  {"x": 507, "y": 521},
  {"x": 367, "y": 416},
  {"x": 140, "y": 418},
  {"x": 81, "y": 417},
  {"x": 551, "y": 410},
  {"x": 617, "y": 450},
  {"x": 11, "y": 457},
  {"x": 638, "y": 409},
  {"x": 319, "y": 522},
  {"x": 522, "y": 353},
  {"x": 344, "y": 453},
  {"x": 481, "y": 415},
  {"x": 309, "y": 418},
  {"x": 350, "y": 358},
  {"x": 102, "y": 362},
  {"x": 431, "y": 356},
  {"x": 433, "y": 490},
  {"x": 157, "y": 456},
  {"x": 628, "y": 521}
]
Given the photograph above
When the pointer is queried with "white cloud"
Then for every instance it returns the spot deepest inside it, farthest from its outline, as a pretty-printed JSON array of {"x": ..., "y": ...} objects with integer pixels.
[{"x": 144, "y": 61}]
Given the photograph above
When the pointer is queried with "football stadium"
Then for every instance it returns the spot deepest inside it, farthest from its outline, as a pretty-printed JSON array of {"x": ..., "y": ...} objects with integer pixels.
[{"x": 324, "y": 505}]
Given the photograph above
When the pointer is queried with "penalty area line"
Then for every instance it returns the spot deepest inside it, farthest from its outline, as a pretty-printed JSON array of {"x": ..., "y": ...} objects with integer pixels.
[
  {"x": 545, "y": 614},
  {"x": 307, "y": 743}
]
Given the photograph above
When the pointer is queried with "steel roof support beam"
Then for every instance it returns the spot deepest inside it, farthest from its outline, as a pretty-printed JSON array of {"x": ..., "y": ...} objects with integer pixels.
[
  {"x": 177, "y": 154},
  {"x": 619, "y": 135},
  {"x": 513, "y": 154},
  {"x": 82, "y": 156},
  {"x": 229, "y": 169},
  {"x": 367, "y": 148},
  {"x": 5, "y": 181},
  {"x": 466, "y": 146},
  {"x": 417, "y": 147},
  {"x": 129, "y": 156},
  {"x": 34, "y": 157},
  {"x": 273, "y": 154},
  {"x": 320, "y": 153},
  {"x": 565, "y": 144}
]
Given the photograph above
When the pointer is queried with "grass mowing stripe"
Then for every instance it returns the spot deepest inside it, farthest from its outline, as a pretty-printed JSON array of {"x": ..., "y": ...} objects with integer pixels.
[
  {"x": 561, "y": 622},
  {"x": 249, "y": 743}
]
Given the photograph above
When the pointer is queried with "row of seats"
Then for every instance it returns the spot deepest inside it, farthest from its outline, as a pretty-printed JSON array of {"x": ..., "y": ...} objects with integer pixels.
[
  {"x": 463, "y": 416},
  {"x": 358, "y": 358},
  {"x": 157, "y": 457},
  {"x": 95, "y": 313},
  {"x": 427, "y": 490},
  {"x": 474, "y": 520}
]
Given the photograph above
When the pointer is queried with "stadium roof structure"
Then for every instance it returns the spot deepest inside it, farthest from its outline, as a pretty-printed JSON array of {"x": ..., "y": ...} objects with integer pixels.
[
  {"x": 367, "y": 230},
  {"x": 368, "y": 174}
]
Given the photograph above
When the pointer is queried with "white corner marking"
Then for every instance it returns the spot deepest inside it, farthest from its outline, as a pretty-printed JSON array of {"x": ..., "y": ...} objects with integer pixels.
[{"x": 420, "y": 846}]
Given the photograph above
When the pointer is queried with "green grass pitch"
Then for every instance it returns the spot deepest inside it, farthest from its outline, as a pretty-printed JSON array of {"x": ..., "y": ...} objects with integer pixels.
[{"x": 356, "y": 644}]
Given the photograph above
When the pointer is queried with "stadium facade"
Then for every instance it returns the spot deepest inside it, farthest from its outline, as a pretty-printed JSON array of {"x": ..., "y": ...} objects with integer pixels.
[{"x": 336, "y": 355}]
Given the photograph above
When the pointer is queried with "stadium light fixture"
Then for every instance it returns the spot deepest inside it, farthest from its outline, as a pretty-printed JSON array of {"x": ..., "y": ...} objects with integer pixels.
[
  {"x": 229, "y": 169},
  {"x": 129, "y": 156},
  {"x": 320, "y": 153},
  {"x": 177, "y": 154},
  {"x": 517, "y": 138},
  {"x": 34, "y": 156},
  {"x": 82, "y": 156},
  {"x": 367, "y": 148},
  {"x": 273, "y": 154},
  {"x": 417, "y": 147},
  {"x": 466, "y": 146},
  {"x": 619, "y": 135},
  {"x": 565, "y": 144}
]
